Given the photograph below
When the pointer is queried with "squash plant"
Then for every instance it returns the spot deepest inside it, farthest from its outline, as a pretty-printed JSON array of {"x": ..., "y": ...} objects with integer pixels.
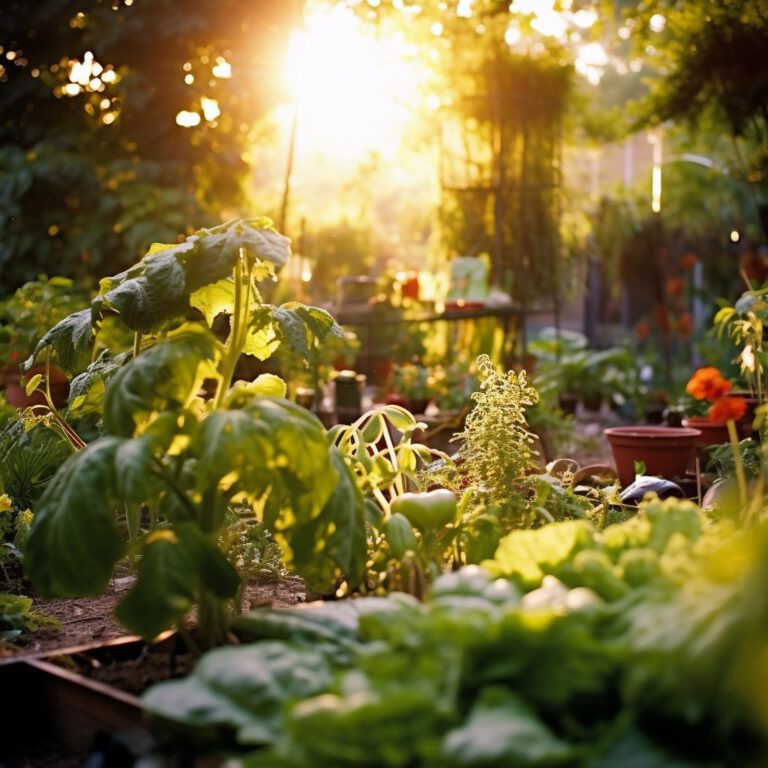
[{"x": 180, "y": 460}]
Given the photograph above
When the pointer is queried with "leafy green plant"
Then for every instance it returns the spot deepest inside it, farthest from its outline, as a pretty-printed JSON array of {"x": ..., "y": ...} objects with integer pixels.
[
  {"x": 388, "y": 466},
  {"x": 183, "y": 459},
  {"x": 17, "y": 616},
  {"x": 743, "y": 323},
  {"x": 567, "y": 366},
  {"x": 29, "y": 312}
]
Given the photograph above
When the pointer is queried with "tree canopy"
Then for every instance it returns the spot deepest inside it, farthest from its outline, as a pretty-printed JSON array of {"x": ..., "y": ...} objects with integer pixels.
[{"x": 121, "y": 123}]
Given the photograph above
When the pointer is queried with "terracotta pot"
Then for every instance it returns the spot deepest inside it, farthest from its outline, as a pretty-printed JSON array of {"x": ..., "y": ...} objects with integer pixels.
[
  {"x": 712, "y": 432},
  {"x": 16, "y": 395},
  {"x": 665, "y": 451}
]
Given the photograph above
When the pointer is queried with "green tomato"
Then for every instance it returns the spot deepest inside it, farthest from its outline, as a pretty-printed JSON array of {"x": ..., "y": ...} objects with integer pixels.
[{"x": 427, "y": 511}]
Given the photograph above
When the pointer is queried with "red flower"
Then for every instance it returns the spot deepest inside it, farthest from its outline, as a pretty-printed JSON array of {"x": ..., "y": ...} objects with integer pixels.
[
  {"x": 688, "y": 260},
  {"x": 727, "y": 409},
  {"x": 643, "y": 330},
  {"x": 675, "y": 286},
  {"x": 662, "y": 317},
  {"x": 708, "y": 384},
  {"x": 684, "y": 324}
]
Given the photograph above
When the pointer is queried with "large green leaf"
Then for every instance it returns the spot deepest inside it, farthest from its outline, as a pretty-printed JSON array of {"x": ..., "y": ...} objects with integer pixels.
[
  {"x": 240, "y": 690},
  {"x": 301, "y": 459},
  {"x": 270, "y": 445},
  {"x": 528, "y": 555},
  {"x": 74, "y": 542},
  {"x": 141, "y": 306},
  {"x": 166, "y": 273},
  {"x": 71, "y": 339},
  {"x": 235, "y": 445},
  {"x": 502, "y": 730},
  {"x": 217, "y": 250},
  {"x": 164, "y": 376},
  {"x": 176, "y": 567},
  {"x": 338, "y": 535},
  {"x": 301, "y": 326},
  {"x": 87, "y": 390}
]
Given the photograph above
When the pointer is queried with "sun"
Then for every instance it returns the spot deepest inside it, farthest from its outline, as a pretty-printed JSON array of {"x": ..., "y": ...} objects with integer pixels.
[{"x": 354, "y": 91}]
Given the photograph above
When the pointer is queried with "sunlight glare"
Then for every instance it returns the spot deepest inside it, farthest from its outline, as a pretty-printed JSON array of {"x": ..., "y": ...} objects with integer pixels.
[{"x": 353, "y": 90}]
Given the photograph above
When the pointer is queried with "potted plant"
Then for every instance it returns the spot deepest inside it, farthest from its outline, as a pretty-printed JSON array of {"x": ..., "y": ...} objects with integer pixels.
[{"x": 410, "y": 386}]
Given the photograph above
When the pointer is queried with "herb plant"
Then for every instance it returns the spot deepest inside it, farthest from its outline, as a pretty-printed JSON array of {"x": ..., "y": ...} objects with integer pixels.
[{"x": 178, "y": 459}]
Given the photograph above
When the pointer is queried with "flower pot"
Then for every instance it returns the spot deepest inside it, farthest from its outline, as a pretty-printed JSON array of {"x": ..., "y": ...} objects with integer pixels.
[
  {"x": 15, "y": 392},
  {"x": 665, "y": 451},
  {"x": 567, "y": 403}
]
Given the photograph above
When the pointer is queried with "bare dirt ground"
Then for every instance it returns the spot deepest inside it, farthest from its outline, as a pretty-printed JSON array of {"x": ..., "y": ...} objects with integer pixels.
[{"x": 88, "y": 619}]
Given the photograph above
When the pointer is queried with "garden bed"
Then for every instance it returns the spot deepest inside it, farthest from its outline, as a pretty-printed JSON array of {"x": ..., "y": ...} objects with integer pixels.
[{"x": 86, "y": 619}]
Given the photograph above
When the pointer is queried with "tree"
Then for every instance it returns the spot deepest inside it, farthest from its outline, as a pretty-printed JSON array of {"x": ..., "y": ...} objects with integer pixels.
[
  {"x": 710, "y": 56},
  {"x": 123, "y": 123}
]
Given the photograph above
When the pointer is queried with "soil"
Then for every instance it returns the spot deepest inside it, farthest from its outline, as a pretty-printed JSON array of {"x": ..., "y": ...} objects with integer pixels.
[{"x": 88, "y": 619}]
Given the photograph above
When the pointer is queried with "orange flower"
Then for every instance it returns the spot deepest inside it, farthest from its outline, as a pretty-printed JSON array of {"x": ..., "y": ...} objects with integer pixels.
[
  {"x": 727, "y": 409},
  {"x": 708, "y": 384}
]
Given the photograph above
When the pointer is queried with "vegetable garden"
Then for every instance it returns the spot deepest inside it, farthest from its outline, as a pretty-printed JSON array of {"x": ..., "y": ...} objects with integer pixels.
[
  {"x": 500, "y": 501},
  {"x": 493, "y": 611}
]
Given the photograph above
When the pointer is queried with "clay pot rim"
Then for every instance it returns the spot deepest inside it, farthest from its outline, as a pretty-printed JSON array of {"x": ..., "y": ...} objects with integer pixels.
[
  {"x": 703, "y": 420},
  {"x": 651, "y": 432}
]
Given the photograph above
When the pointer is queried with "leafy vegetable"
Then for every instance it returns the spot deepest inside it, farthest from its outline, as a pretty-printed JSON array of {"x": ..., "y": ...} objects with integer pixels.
[{"x": 669, "y": 673}]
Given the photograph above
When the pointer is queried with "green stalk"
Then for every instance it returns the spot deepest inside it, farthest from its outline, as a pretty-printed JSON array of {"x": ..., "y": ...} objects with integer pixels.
[
  {"x": 133, "y": 520},
  {"x": 77, "y": 442},
  {"x": 741, "y": 479},
  {"x": 136, "y": 344},
  {"x": 161, "y": 472},
  {"x": 236, "y": 338}
]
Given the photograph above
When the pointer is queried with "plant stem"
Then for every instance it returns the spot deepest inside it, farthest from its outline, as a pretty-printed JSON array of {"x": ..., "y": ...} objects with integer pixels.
[
  {"x": 136, "y": 344},
  {"x": 239, "y": 327},
  {"x": 170, "y": 481},
  {"x": 741, "y": 480}
]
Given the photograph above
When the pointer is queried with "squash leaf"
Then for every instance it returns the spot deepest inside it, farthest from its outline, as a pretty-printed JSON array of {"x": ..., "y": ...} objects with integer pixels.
[
  {"x": 74, "y": 542},
  {"x": 164, "y": 376},
  {"x": 341, "y": 526},
  {"x": 214, "y": 299},
  {"x": 141, "y": 306},
  {"x": 87, "y": 390},
  {"x": 71, "y": 339}
]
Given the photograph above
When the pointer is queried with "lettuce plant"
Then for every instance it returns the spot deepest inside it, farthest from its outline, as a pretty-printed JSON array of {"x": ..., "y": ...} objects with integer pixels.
[{"x": 171, "y": 456}]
